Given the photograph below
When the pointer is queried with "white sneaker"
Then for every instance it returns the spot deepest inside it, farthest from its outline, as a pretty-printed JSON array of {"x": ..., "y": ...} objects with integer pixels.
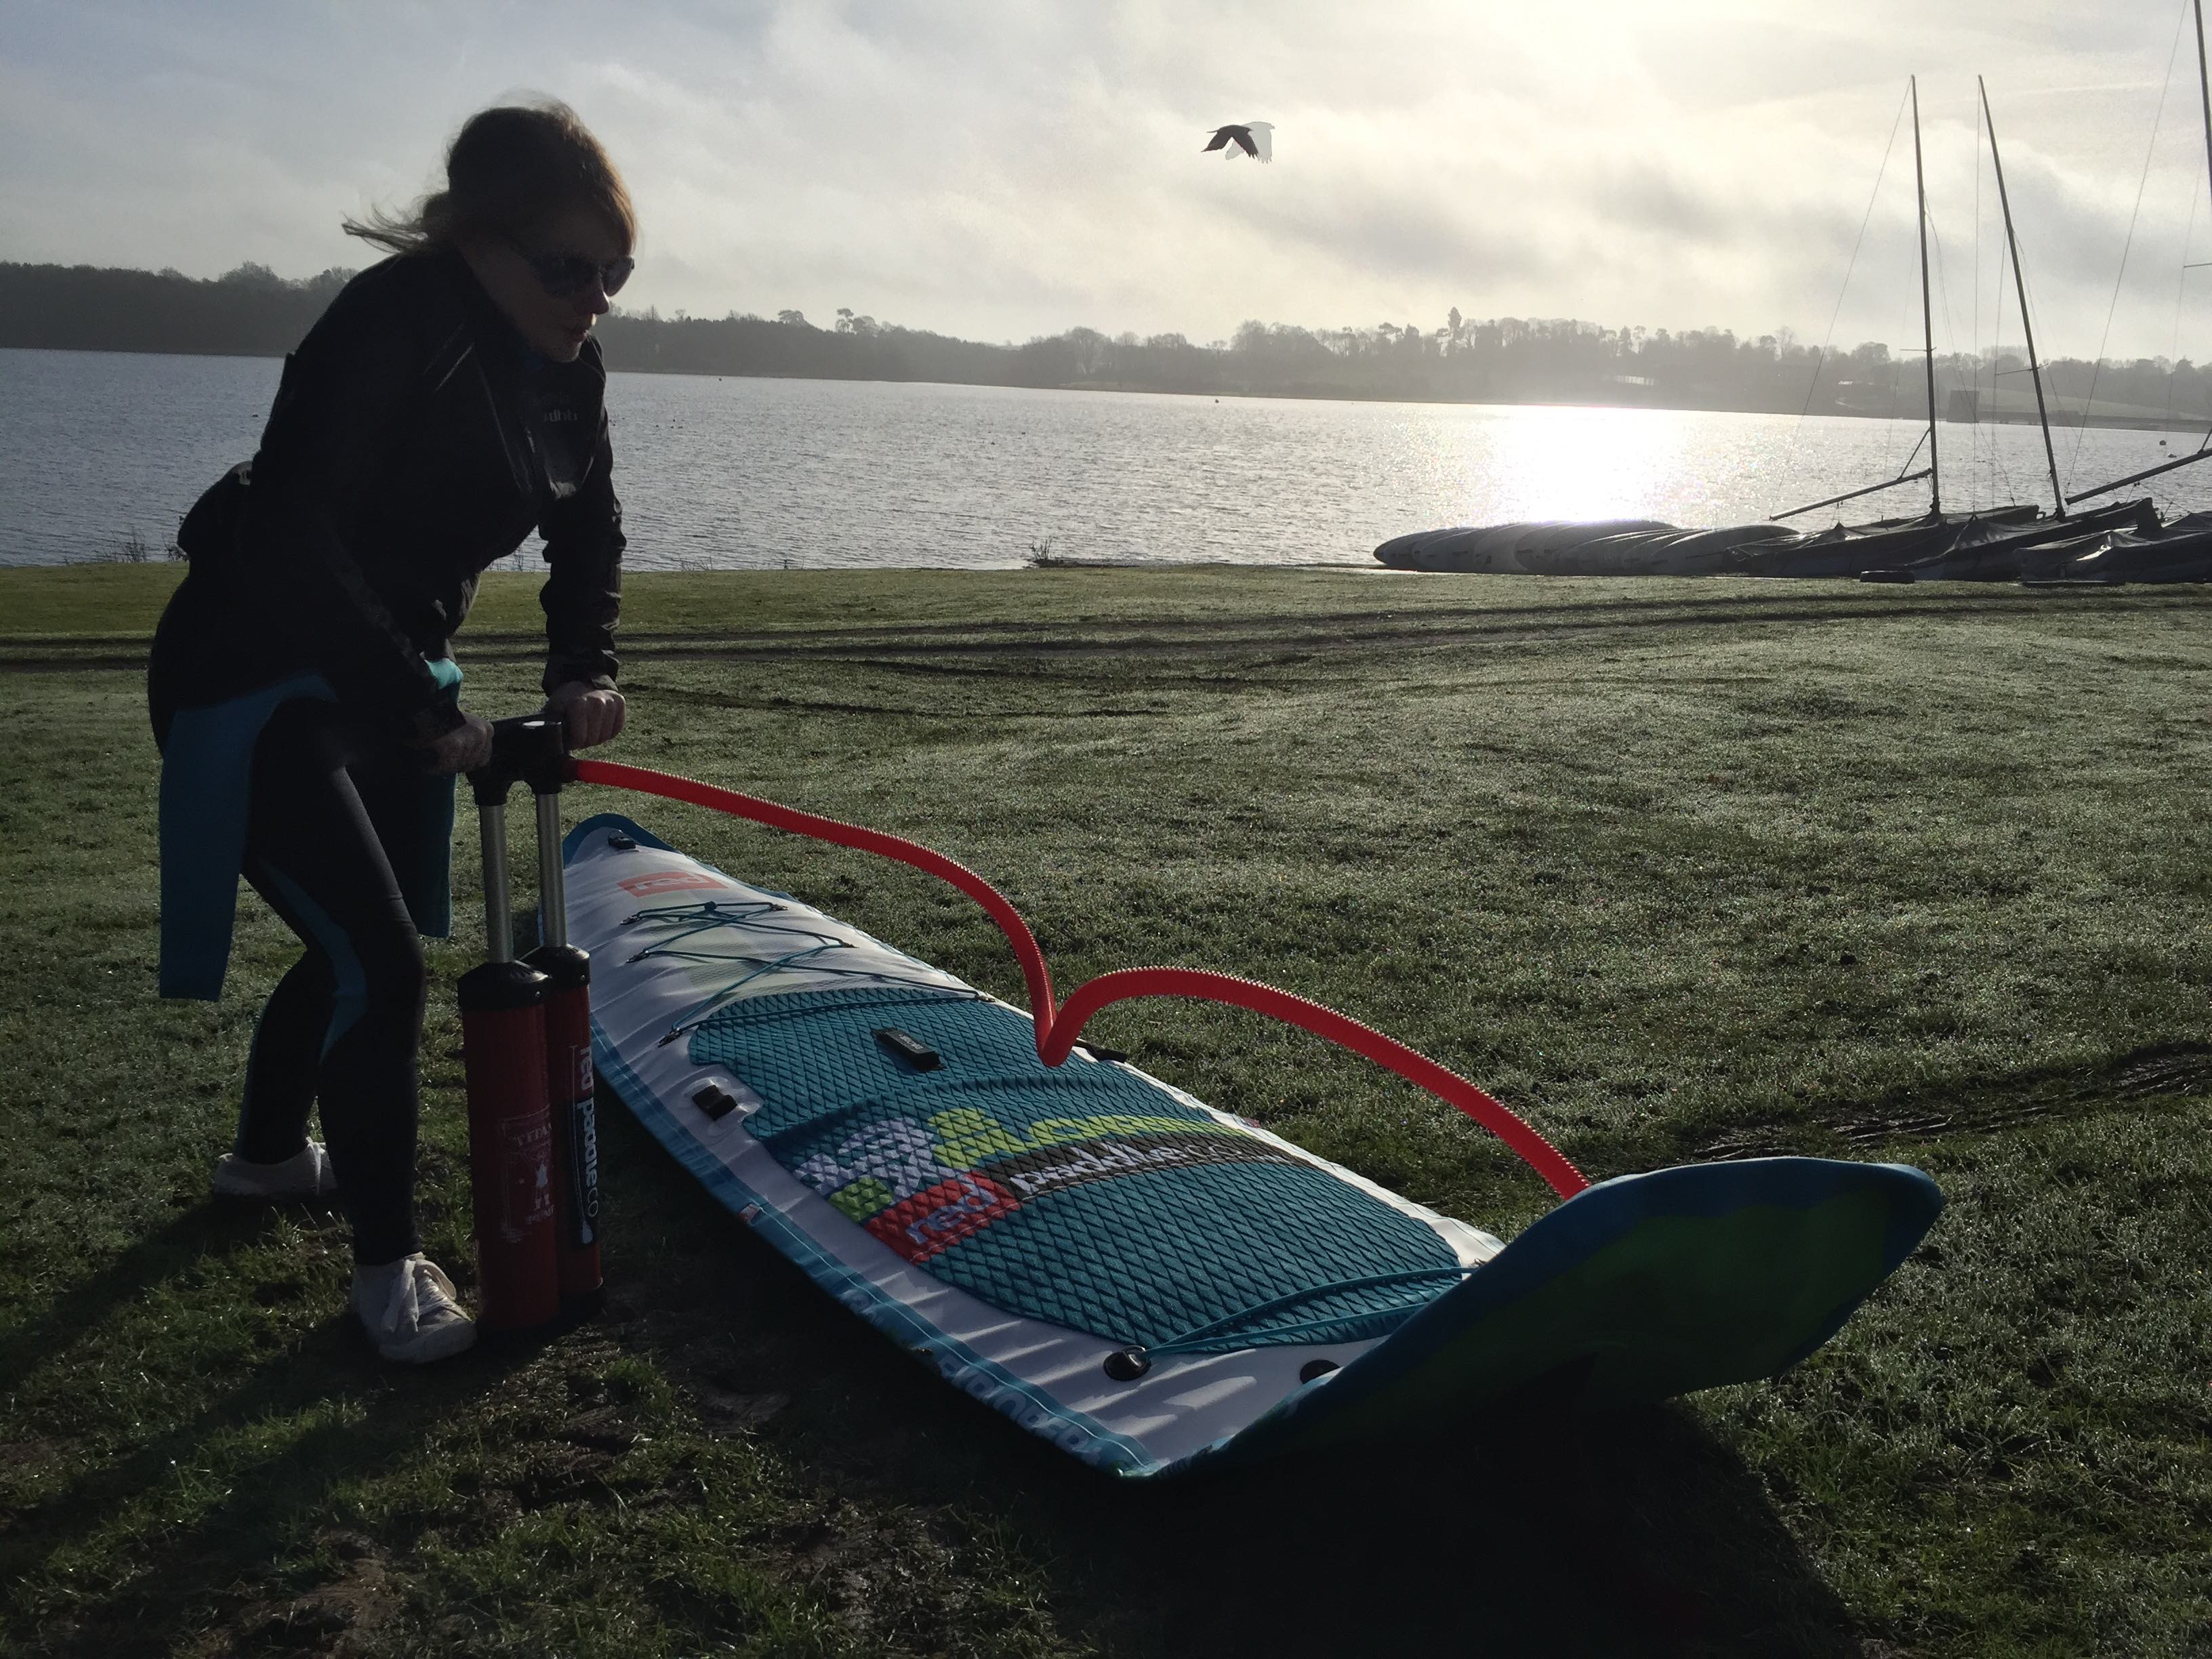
[
  {"x": 409, "y": 1309},
  {"x": 306, "y": 1174}
]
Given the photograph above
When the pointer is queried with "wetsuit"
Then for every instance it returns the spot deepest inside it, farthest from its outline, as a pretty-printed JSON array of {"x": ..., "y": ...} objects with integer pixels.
[{"x": 415, "y": 440}]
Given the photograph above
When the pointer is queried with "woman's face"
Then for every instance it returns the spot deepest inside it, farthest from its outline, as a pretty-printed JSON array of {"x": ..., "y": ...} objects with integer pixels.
[{"x": 552, "y": 283}]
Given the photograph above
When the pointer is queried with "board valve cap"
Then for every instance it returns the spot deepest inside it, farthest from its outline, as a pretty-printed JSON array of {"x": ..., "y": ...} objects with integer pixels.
[{"x": 1127, "y": 1364}]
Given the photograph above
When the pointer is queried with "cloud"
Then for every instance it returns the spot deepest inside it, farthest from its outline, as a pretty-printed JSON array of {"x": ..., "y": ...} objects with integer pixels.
[{"x": 1001, "y": 168}]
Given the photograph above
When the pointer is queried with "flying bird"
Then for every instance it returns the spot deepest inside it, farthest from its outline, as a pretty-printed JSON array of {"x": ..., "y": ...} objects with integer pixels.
[{"x": 1251, "y": 139}]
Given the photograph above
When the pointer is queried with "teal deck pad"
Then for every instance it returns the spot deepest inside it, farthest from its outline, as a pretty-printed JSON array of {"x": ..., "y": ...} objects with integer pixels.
[{"x": 1087, "y": 1195}]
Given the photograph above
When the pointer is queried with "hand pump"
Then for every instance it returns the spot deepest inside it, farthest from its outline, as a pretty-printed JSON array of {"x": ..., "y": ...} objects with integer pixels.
[
  {"x": 569, "y": 1074},
  {"x": 503, "y": 1048}
]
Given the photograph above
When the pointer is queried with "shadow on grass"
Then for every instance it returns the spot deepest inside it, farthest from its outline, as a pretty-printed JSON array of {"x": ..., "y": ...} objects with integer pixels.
[
  {"x": 1518, "y": 1533},
  {"x": 207, "y": 1232},
  {"x": 1634, "y": 1532},
  {"x": 186, "y": 1578},
  {"x": 1629, "y": 1532}
]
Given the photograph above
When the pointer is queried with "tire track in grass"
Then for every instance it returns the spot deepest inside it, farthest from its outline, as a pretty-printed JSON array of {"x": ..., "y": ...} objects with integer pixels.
[
  {"x": 1206, "y": 636},
  {"x": 2160, "y": 1074}
]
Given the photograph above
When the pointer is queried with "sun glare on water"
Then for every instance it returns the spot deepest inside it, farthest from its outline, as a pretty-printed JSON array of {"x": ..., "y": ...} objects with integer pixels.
[{"x": 1553, "y": 462}]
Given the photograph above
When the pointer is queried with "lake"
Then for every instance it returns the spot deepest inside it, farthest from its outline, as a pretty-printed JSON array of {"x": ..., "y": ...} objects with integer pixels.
[{"x": 101, "y": 447}]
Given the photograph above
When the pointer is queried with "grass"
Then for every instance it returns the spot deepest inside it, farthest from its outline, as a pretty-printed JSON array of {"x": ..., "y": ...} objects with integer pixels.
[{"x": 1680, "y": 870}]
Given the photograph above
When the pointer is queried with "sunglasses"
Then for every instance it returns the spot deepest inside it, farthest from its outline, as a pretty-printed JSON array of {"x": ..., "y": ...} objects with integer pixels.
[{"x": 563, "y": 276}]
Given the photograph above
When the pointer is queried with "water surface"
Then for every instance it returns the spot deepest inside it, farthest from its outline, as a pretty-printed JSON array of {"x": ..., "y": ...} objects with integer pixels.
[{"x": 101, "y": 447}]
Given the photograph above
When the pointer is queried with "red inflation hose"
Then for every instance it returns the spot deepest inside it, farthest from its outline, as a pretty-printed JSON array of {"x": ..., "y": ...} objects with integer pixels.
[
  {"x": 1058, "y": 1029},
  {"x": 1342, "y": 1029},
  {"x": 645, "y": 781}
]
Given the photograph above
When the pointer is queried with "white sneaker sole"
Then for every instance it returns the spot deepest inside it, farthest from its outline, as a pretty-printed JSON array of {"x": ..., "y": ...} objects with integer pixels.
[
  {"x": 294, "y": 1181},
  {"x": 425, "y": 1347}
]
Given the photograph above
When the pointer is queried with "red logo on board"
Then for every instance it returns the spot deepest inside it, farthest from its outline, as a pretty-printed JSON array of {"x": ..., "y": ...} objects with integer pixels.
[
  {"x": 668, "y": 881},
  {"x": 921, "y": 1226}
]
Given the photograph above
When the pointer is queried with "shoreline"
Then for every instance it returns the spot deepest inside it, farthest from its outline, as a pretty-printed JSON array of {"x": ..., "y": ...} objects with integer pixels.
[{"x": 2180, "y": 426}]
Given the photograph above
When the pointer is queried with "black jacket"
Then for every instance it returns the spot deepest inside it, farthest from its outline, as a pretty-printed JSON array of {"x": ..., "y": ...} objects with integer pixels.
[{"x": 415, "y": 440}]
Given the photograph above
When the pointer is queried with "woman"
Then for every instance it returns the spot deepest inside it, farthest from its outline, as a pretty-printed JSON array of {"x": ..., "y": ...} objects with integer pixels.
[{"x": 301, "y": 684}]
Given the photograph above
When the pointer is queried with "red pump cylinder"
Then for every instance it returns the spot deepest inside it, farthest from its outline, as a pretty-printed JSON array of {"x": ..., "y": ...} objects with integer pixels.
[
  {"x": 511, "y": 1145},
  {"x": 511, "y": 1123},
  {"x": 570, "y": 1082}
]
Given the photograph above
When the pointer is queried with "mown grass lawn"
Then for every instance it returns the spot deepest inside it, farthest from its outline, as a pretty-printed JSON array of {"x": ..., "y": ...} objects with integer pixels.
[{"x": 1680, "y": 870}]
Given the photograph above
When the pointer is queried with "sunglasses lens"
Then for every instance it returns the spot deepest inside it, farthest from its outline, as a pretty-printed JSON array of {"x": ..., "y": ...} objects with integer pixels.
[{"x": 565, "y": 274}]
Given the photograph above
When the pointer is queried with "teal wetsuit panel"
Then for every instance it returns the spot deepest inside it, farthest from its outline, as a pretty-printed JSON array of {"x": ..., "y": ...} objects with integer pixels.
[{"x": 206, "y": 768}]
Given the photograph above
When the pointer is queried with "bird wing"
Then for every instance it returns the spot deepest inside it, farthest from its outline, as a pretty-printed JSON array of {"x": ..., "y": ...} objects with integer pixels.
[
  {"x": 1263, "y": 137},
  {"x": 1243, "y": 138},
  {"x": 1221, "y": 137}
]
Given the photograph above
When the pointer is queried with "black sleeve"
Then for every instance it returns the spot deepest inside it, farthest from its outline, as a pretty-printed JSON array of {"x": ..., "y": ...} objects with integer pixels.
[
  {"x": 344, "y": 395},
  {"x": 582, "y": 597}
]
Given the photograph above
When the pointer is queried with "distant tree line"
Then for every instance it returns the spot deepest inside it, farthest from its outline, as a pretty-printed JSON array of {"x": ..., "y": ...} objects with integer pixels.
[
  {"x": 252, "y": 311},
  {"x": 856, "y": 348}
]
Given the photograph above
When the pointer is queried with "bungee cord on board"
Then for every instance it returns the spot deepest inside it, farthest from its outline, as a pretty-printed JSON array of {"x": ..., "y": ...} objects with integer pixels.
[{"x": 712, "y": 916}]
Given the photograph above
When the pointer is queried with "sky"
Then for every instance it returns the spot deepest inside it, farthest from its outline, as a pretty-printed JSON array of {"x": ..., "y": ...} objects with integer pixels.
[{"x": 997, "y": 170}]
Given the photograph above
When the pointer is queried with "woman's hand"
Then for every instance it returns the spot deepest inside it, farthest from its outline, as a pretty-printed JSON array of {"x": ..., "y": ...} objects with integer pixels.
[
  {"x": 588, "y": 715},
  {"x": 464, "y": 748}
]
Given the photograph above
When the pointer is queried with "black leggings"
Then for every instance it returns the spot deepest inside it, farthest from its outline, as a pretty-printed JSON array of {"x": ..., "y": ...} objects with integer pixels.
[{"x": 344, "y": 1025}]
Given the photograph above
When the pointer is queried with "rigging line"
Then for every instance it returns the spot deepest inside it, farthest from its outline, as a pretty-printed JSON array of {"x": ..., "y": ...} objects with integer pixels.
[
  {"x": 2150, "y": 151},
  {"x": 1927, "y": 309},
  {"x": 1892, "y": 437},
  {"x": 1821, "y": 356},
  {"x": 1943, "y": 286},
  {"x": 1985, "y": 445},
  {"x": 1889, "y": 425},
  {"x": 2019, "y": 274},
  {"x": 2001, "y": 478},
  {"x": 2180, "y": 295},
  {"x": 1950, "y": 328},
  {"x": 1889, "y": 438}
]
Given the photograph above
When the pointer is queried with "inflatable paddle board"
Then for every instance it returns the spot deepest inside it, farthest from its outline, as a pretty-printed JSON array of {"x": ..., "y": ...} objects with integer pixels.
[{"x": 1150, "y": 1284}]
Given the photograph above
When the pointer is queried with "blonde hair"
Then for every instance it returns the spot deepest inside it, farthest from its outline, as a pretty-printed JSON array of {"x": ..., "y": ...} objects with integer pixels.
[{"x": 511, "y": 169}]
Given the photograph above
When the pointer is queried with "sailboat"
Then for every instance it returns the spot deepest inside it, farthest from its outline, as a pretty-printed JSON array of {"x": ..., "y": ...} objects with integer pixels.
[
  {"x": 1988, "y": 550},
  {"x": 1899, "y": 550},
  {"x": 1643, "y": 547},
  {"x": 2178, "y": 552},
  {"x": 1990, "y": 544}
]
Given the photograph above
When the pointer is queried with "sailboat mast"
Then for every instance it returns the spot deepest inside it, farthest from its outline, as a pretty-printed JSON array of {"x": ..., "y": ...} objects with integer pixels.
[
  {"x": 2203, "y": 86},
  {"x": 2020, "y": 280},
  {"x": 1927, "y": 305},
  {"x": 2204, "y": 450}
]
